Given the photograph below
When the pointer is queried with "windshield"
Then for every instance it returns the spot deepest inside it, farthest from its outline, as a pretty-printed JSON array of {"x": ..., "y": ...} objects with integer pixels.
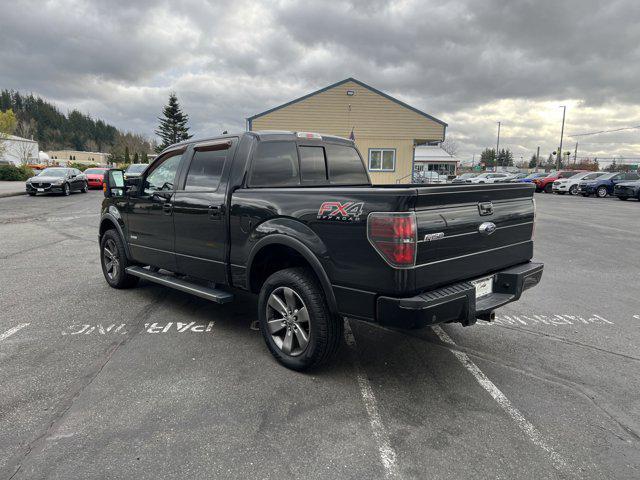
[
  {"x": 535, "y": 175},
  {"x": 53, "y": 172},
  {"x": 482, "y": 175},
  {"x": 607, "y": 176},
  {"x": 90, "y": 171},
  {"x": 136, "y": 168}
]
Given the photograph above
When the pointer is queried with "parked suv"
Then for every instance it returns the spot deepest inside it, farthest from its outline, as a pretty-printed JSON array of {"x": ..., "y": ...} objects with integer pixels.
[
  {"x": 293, "y": 218},
  {"x": 626, "y": 190},
  {"x": 488, "y": 177},
  {"x": 603, "y": 185},
  {"x": 570, "y": 185}
]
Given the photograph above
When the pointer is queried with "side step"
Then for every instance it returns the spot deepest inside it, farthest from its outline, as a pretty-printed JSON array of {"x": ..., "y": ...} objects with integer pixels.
[{"x": 213, "y": 294}]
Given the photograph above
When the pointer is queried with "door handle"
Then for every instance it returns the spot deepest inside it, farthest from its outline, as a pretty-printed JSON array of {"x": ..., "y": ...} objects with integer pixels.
[
  {"x": 215, "y": 211},
  {"x": 167, "y": 208}
]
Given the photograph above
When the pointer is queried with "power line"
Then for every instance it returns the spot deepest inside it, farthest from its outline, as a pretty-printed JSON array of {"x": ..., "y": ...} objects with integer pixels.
[{"x": 604, "y": 131}]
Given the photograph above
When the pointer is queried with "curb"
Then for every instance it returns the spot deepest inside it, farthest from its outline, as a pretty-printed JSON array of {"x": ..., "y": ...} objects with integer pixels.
[{"x": 12, "y": 194}]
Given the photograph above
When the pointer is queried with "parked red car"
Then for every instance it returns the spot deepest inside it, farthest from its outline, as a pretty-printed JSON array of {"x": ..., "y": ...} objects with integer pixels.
[
  {"x": 545, "y": 184},
  {"x": 95, "y": 177}
]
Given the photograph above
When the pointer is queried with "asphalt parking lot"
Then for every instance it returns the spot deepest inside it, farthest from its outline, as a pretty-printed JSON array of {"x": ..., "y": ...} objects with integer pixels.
[{"x": 154, "y": 383}]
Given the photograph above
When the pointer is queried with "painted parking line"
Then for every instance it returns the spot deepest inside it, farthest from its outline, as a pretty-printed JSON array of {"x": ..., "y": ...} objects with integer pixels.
[
  {"x": 13, "y": 330},
  {"x": 387, "y": 453},
  {"x": 523, "y": 424}
]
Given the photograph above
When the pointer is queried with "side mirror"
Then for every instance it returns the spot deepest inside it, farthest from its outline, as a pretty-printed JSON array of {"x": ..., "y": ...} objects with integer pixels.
[{"x": 113, "y": 185}]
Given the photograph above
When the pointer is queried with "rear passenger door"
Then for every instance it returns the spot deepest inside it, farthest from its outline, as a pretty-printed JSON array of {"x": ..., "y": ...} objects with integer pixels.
[{"x": 200, "y": 216}]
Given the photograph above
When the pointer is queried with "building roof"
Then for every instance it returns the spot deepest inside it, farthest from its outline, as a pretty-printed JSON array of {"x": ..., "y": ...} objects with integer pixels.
[
  {"x": 20, "y": 139},
  {"x": 432, "y": 153},
  {"x": 362, "y": 84}
]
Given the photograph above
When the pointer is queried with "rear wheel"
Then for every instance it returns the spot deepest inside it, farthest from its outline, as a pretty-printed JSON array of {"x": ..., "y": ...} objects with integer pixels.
[
  {"x": 114, "y": 261},
  {"x": 601, "y": 192},
  {"x": 295, "y": 320}
]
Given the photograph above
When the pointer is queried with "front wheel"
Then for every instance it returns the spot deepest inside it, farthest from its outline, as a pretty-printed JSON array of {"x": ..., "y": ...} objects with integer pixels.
[
  {"x": 548, "y": 188},
  {"x": 296, "y": 323},
  {"x": 85, "y": 187},
  {"x": 66, "y": 190},
  {"x": 601, "y": 192},
  {"x": 114, "y": 261},
  {"x": 573, "y": 190}
]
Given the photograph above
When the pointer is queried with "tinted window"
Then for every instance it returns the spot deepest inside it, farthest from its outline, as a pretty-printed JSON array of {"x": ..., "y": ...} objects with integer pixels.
[
  {"x": 163, "y": 176},
  {"x": 205, "y": 169},
  {"x": 275, "y": 164},
  {"x": 345, "y": 166},
  {"x": 313, "y": 167},
  {"x": 631, "y": 176}
]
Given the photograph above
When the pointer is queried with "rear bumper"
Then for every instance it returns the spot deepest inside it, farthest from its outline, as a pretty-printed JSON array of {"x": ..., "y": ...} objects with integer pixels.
[{"x": 457, "y": 302}]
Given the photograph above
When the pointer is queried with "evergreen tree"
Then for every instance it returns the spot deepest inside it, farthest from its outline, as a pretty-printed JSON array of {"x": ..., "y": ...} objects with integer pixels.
[
  {"x": 144, "y": 158},
  {"x": 488, "y": 157},
  {"x": 127, "y": 158},
  {"x": 136, "y": 159},
  {"x": 173, "y": 124},
  {"x": 533, "y": 161},
  {"x": 505, "y": 158}
]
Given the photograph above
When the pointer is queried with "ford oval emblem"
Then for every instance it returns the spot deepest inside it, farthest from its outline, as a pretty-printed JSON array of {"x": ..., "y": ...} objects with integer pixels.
[{"x": 487, "y": 228}]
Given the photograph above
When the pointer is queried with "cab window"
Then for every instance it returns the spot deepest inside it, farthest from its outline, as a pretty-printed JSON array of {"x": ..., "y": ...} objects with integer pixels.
[
  {"x": 163, "y": 175},
  {"x": 275, "y": 164},
  {"x": 206, "y": 169}
]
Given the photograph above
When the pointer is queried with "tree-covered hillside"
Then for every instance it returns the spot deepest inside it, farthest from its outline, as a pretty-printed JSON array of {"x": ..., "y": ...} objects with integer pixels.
[{"x": 42, "y": 121}]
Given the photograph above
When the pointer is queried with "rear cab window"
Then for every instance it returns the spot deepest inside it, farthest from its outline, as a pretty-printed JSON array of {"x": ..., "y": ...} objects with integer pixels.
[
  {"x": 207, "y": 164},
  {"x": 288, "y": 164}
]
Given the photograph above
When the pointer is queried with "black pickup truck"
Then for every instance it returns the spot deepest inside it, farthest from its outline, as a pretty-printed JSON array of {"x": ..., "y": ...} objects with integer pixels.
[{"x": 293, "y": 217}]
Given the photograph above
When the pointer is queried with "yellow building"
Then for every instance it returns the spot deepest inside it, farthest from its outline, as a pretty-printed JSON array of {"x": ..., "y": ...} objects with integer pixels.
[
  {"x": 386, "y": 130},
  {"x": 75, "y": 156}
]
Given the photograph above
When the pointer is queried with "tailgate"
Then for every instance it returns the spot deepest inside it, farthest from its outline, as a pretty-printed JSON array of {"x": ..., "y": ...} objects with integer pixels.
[{"x": 467, "y": 231}]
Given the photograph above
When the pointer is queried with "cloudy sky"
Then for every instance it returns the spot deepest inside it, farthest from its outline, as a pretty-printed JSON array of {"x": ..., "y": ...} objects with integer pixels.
[{"x": 471, "y": 63}]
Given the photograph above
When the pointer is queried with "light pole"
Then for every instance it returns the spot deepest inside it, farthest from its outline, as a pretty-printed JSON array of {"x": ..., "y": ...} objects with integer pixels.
[
  {"x": 559, "y": 156},
  {"x": 497, "y": 145}
]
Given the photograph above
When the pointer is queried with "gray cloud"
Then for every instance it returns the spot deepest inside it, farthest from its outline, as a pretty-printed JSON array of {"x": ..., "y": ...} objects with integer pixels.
[{"x": 470, "y": 63}]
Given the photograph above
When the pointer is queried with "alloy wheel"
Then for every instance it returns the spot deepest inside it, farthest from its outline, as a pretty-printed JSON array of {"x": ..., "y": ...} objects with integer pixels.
[
  {"x": 602, "y": 192},
  {"x": 288, "y": 321},
  {"x": 111, "y": 259},
  {"x": 573, "y": 190}
]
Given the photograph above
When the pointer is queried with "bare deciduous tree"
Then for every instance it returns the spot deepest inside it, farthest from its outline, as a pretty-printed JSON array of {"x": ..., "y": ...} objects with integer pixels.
[{"x": 450, "y": 146}]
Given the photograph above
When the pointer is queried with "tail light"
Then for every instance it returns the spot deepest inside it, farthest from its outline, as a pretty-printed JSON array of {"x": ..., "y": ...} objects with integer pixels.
[{"x": 393, "y": 235}]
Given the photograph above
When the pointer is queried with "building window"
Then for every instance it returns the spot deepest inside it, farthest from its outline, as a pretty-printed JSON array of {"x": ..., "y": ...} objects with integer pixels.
[{"x": 382, "y": 159}]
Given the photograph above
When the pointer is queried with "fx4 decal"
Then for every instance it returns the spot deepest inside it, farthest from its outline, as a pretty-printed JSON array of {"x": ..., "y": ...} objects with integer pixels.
[{"x": 348, "y": 211}]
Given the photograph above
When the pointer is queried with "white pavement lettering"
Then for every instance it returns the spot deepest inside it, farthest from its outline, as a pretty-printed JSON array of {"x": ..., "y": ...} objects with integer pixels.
[
  {"x": 523, "y": 424},
  {"x": 12, "y": 330},
  {"x": 120, "y": 329},
  {"x": 387, "y": 453}
]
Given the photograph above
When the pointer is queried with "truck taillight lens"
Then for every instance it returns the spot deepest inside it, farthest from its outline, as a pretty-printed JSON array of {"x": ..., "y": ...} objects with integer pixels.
[{"x": 393, "y": 235}]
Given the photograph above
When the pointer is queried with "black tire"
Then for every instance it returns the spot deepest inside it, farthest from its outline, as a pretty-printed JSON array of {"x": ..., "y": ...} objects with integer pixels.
[
  {"x": 85, "y": 188},
  {"x": 573, "y": 190},
  {"x": 623, "y": 198},
  {"x": 112, "y": 242},
  {"x": 548, "y": 188},
  {"x": 601, "y": 192},
  {"x": 325, "y": 329},
  {"x": 66, "y": 191}
]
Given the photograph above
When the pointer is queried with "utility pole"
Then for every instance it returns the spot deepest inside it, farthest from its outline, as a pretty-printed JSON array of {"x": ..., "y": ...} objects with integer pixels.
[
  {"x": 559, "y": 156},
  {"x": 497, "y": 145},
  {"x": 575, "y": 154},
  {"x": 538, "y": 159}
]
